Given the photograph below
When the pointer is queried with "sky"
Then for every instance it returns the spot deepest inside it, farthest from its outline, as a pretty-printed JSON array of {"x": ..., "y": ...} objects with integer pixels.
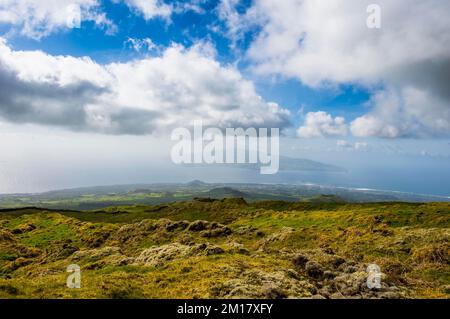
[{"x": 91, "y": 89}]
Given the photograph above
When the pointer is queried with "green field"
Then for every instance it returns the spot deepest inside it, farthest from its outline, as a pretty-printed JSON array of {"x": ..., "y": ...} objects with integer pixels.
[{"x": 90, "y": 198}]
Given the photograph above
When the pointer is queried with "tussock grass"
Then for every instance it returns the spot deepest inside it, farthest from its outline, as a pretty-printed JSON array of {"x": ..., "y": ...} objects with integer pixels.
[{"x": 410, "y": 242}]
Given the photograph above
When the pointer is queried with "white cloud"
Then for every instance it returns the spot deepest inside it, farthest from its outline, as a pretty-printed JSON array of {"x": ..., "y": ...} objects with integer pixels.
[
  {"x": 236, "y": 25},
  {"x": 344, "y": 144},
  {"x": 37, "y": 19},
  {"x": 150, "y": 8},
  {"x": 193, "y": 5},
  {"x": 352, "y": 146},
  {"x": 361, "y": 145},
  {"x": 358, "y": 146},
  {"x": 321, "y": 124},
  {"x": 140, "y": 44},
  {"x": 404, "y": 113},
  {"x": 136, "y": 97},
  {"x": 328, "y": 42}
]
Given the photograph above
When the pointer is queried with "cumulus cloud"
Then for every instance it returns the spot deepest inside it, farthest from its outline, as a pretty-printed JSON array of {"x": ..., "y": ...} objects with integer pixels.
[
  {"x": 236, "y": 24},
  {"x": 141, "y": 44},
  {"x": 321, "y": 124},
  {"x": 404, "y": 112},
  {"x": 322, "y": 43},
  {"x": 150, "y": 9},
  {"x": 343, "y": 144},
  {"x": 193, "y": 6},
  {"x": 37, "y": 19},
  {"x": 136, "y": 97}
]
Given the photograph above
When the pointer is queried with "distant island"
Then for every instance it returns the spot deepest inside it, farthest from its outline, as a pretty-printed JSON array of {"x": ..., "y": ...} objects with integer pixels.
[{"x": 286, "y": 164}]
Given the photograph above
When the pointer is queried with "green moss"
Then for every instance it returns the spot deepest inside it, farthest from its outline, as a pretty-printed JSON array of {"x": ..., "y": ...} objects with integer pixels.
[
  {"x": 45, "y": 236},
  {"x": 408, "y": 241}
]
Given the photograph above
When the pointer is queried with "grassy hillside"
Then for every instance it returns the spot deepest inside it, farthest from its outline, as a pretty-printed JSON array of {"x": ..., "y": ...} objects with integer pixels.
[
  {"x": 99, "y": 197},
  {"x": 228, "y": 248}
]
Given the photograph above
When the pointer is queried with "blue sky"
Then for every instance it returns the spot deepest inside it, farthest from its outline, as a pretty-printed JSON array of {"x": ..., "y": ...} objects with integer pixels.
[{"x": 340, "y": 91}]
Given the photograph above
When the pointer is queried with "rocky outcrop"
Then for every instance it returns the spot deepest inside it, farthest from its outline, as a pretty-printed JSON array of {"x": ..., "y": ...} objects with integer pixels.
[
  {"x": 337, "y": 278},
  {"x": 160, "y": 255},
  {"x": 261, "y": 284}
]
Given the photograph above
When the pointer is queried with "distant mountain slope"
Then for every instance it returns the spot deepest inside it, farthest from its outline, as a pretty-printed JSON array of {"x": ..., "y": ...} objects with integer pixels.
[
  {"x": 326, "y": 199},
  {"x": 196, "y": 183},
  {"x": 225, "y": 192}
]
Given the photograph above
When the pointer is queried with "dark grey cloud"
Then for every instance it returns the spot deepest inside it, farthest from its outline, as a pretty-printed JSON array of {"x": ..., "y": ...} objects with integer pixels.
[
  {"x": 65, "y": 106},
  {"x": 432, "y": 75}
]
